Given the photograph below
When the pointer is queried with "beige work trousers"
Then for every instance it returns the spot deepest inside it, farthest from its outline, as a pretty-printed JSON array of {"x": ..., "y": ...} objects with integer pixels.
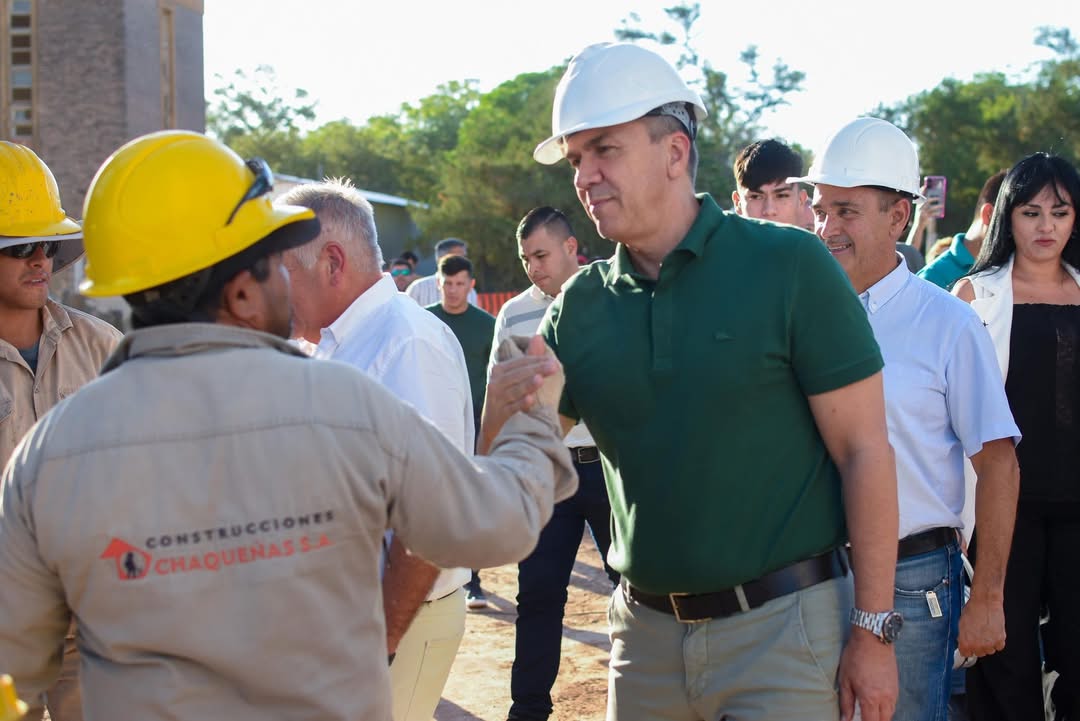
[
  {"x": 424, "y": 657},
  {"x": 776, "y": 662}
]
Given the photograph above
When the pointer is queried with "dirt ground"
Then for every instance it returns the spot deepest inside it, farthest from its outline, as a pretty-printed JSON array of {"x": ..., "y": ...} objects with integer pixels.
[{"x": 479, "y": 684}]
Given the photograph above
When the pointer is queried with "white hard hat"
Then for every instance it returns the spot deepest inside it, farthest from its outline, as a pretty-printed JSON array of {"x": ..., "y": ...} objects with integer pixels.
[
  {"x": 608, "y": 84},
  {"x": 867, "y": 151}
]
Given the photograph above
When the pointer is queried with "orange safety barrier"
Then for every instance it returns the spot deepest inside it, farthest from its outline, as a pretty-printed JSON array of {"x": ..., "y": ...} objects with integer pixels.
[{"x": 491, "y": 302}]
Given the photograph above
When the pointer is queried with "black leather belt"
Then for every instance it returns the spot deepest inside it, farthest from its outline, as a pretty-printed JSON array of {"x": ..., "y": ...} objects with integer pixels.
[
  {"x": 585, "y": 454},
  {"x": 692, "y": 607},
  {"x": 925, "y": 542}
]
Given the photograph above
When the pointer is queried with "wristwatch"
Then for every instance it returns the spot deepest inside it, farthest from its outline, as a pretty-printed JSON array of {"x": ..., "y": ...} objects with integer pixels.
[{"x": 885, "y": 625}]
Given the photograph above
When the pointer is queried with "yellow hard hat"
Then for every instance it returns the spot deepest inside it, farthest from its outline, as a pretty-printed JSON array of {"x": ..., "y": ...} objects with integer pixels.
[
  {"x": 11, "y": 708},
  {"x": 172, "y": 203},
  {"x": 30, "y": 207}
]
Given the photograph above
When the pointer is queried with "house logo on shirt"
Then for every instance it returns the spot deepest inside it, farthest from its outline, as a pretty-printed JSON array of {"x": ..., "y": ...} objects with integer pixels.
[
  {"x": 131, "y": 563},
  {"x": 218, "y": 548}
]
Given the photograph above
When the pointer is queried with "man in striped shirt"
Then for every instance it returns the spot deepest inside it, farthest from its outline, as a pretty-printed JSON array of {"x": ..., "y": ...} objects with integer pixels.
[{"x": 548, "y": 252}]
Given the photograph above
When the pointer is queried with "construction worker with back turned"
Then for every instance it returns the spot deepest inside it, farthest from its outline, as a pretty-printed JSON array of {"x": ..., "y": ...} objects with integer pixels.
[{"x": 212, "y": 508}]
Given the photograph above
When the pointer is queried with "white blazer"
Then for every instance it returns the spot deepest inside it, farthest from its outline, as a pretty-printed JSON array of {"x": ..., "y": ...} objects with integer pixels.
[{"x": 994, "y": 304}]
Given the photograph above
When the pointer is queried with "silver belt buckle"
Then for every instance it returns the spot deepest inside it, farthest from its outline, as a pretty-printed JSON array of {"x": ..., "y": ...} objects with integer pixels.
[{"x": 675, "y": 608}]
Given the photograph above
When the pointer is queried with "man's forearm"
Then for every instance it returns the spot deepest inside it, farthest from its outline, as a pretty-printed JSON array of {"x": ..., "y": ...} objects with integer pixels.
[
  {"x": 870, "y": 503},
  {"x": 995, "y": 515},
  {"x": 406, "y": 584},
  {"x": 487, "y": 432}
]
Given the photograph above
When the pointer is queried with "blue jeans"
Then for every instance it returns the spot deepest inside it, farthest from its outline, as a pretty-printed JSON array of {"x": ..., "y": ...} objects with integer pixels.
[
  {"x": 924, "y": 649},
  {"x": 542, "y": 581}
]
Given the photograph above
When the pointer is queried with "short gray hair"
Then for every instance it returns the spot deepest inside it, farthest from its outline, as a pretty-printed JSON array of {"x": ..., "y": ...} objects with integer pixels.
[
  {"x": 661, "y": 126},
  {"x": 343, "y": 212}
]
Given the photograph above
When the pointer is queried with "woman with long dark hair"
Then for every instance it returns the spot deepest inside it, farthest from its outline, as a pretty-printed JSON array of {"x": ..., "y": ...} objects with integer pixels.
[{"x": 1026, "y": 287}]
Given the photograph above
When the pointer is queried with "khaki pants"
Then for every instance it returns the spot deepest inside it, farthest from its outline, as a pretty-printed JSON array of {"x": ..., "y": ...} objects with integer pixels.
[
  {"x": 424, "y": 657},
  {"x": 777, "y": 661}
]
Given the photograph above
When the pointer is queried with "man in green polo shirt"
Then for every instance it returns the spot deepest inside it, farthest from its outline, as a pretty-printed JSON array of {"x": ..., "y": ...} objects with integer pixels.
[
  {"x": 957, "y": 261},
  {"x": 733, "y": 386}
]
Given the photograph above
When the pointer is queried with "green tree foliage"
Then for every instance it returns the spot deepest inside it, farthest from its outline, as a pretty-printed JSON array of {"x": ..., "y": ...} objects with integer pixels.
[
  {"x": 968, "y": 130},
  {"x": 735, "y": 113},
  {"x": 429, "y": 131},
  {"x": 341, "y": 149},
  {"x": 255, "y": 104},
  {"x": 253, "y": 116},
  {"x": 399, "y": 154},
  {"x": 490, "y": 180}
]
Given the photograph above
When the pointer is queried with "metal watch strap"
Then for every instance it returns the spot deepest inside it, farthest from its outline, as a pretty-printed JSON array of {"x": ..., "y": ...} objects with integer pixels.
[{"x": 868, "y": 621}]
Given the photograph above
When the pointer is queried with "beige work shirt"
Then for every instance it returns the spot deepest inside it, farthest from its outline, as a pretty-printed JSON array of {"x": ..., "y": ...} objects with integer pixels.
[
  {"x": 72, "y": 348},
  {"x": 212, "y": 510}
]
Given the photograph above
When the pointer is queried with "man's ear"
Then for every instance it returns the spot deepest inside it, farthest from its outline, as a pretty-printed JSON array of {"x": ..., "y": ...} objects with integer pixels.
[
  {"x": 736, "y": 206},
  {"x": 241, "y": 301},
  {"x": 571, "y": 245},
  {"x": 472, "y": 283},
  {"x": 985, "y": 213},
  {"x": 336, "y": 260},
  {"x": 678, "y": 154},
  {"x": 900, "y": 214}
]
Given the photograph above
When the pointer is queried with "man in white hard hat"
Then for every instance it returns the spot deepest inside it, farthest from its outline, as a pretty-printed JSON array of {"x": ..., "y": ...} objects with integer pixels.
[
  {"x": 719, "y": 395},
  {"x": 47, "y": 349},
  {"x": 352, "y": 312},
  {"x": 212, "y": 508},
  {"x": 944, "y": 401}
]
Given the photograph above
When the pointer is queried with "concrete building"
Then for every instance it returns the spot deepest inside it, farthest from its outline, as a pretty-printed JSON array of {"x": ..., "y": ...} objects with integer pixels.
[{"x": 79, "y": 78}]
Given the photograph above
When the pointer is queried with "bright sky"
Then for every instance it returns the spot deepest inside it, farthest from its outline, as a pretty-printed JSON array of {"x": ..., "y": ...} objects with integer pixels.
[{"x": 360, "y": 58}]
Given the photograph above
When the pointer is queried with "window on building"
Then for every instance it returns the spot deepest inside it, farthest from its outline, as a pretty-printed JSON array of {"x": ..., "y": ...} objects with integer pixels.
[
  {"x": 167, "y": 46},
  {"x": 17, "y": 70}
]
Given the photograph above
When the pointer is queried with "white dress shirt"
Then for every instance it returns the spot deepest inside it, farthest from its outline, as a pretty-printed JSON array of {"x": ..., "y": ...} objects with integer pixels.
[
  {"x": 425, "y": 291},
  {"x": 521, "y": 315},
  {"x": 944, "y": 397},
  {"x": 415, "y": 355}
]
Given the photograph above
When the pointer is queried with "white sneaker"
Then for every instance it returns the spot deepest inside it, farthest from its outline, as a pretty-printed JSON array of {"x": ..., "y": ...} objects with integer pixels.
[{"x": 475, "y": 600}]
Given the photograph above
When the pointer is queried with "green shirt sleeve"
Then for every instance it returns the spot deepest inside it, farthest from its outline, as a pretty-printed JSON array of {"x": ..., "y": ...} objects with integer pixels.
[{"x": 832, "y": 344}]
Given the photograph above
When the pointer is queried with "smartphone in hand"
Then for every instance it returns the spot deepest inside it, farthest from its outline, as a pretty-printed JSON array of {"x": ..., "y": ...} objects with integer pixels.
[{"x": 935, "y": 188}]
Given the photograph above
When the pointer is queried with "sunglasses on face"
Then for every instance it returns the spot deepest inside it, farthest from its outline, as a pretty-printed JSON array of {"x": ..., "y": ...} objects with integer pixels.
[
  {"x": 263, "y": 184},
  {"x": 22, "y": 251},
  {"x": 401, "y": 271}
]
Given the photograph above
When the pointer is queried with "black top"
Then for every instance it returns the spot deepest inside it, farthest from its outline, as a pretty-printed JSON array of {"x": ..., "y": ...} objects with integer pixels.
[{"x": 1043, "y": 387}]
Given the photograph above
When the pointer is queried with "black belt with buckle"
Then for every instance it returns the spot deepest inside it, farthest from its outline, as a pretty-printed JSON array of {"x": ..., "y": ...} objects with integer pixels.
[
  {"x": 692, "y": 607},
  {"x": 925, "y": 542},
  {"x": 585, "y": 454}
]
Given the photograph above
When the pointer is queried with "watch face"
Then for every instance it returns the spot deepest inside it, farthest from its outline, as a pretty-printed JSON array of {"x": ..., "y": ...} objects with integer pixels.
[{"x": 890, "y": 628}]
